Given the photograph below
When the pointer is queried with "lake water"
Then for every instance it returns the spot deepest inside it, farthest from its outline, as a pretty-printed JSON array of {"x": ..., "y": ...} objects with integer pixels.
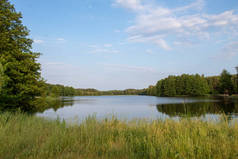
[{"x": 138, "y": 107}]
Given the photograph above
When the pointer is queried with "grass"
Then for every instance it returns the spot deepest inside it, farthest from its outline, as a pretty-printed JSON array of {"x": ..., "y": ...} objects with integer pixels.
[{"x": 24, "y": 136}]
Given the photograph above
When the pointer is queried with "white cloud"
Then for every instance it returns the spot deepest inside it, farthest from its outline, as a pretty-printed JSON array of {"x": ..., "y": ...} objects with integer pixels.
[
  {"x": 37, "y": 41},
  {"x": 183, "y": 43},
  {"x": 157, "y": 39},
  {"x": 117, "y": 31},
  {"x": 49, "y": 40},
  {"x": 149, "y": 51},
  {"x": 198, "y": 4},
  {"x": 92, "y": 46},
  {"x": 228, "y": 52},
  {"x": 105, "y": 48},
  {"x": 156, "y": 24},
  {"x": 131, "y": 4},
  {"x": 231, "y": 50},
  {"x": 107, "y": 45},
  {"x": 60, "y": 39},
  {"x": 129, "y": 68}
]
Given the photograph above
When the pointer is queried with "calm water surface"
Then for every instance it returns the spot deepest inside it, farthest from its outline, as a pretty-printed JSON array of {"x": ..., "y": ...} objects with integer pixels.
[{"x": 137, "y": 107}]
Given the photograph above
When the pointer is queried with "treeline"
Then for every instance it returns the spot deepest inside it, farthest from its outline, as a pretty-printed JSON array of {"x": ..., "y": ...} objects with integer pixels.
[
  {"x": 60, "y": 90},
  {"x": 94, "y": 92},
  {"x": 195, "y": 85},
  {"x": 183, "y": 85}
]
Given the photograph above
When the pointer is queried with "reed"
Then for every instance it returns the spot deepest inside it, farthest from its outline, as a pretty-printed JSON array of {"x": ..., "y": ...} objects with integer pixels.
[{"x": 26, "y": 136}]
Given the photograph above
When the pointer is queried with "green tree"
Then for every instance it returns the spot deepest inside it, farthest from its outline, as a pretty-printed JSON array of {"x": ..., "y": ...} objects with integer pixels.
[
  {"x": 200, "y": 86},
  {"x": 151, "y": 91},
  {"x": 23, "y": 80},
  {"x": 213, "y": 83},
  {"x": 159, "y": 88},
  {"x": 169, "y": 88},
  {"x": 226, "y": 86},
  {"x": 1, "y": 77},
  {"x": 193, "y": 85},
  {"x": 180, "y": 87}
]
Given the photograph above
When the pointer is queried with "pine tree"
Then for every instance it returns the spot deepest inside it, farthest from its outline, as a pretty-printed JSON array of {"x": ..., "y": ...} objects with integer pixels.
[{"x": 22, "y": 82}]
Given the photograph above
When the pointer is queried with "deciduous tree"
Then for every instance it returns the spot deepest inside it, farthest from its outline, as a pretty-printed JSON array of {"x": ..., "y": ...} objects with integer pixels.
[{"x": 226, "y": 86}]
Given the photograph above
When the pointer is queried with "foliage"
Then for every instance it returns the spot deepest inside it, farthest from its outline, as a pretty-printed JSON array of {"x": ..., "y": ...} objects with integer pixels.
[
  {"x": 94, "y": 92},
  {"x": 1, "y": 77},
  {"x": 214, "y": 83},
  {"x": 234, "y": 80},
  {"x": 226, "y": 86},
  {"x": 192, "y": 85},
  {"x": 195, "y": 85},
  {"x": 23, "y": 136},
  {"x": 151, "y": 91},
  {"x": 200, "y": 109},
  {"x": 60, "y": 90},
  {"x": 22, "y": 82}
]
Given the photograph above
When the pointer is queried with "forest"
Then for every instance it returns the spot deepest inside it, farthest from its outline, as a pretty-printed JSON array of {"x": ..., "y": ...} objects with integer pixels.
[
  {"x": 61, "y": 90},
  {"x": 183, "y": 85},
  {"x": 195, "y": 85}
]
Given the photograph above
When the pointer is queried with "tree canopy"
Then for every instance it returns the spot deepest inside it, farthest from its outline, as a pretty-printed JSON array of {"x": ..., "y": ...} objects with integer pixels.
[
  {"x": 1, "y": 77},
  {"x": 193, "y": 85},
  {"x": 226, "y": 85},
  {"x": 22, "y": 82}
]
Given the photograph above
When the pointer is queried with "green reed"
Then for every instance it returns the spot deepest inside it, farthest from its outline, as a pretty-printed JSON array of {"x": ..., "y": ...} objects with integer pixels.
[{"x": 25, "y": 136}]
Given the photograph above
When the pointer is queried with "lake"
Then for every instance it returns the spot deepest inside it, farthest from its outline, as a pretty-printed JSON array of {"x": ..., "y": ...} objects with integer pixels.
[{"x": 138, "y": 107}]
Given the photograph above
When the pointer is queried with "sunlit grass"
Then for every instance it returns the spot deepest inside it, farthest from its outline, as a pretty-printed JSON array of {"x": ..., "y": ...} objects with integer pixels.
[{"x": 24, "y": 136}]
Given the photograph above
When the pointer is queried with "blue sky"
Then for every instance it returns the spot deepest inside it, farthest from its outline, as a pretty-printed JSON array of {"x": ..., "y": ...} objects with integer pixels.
[{"x": 118, "y": 44}]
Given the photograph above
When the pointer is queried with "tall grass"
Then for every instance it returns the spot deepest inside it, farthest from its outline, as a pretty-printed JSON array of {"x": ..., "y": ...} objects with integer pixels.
[{"x": 23, "y": 136}]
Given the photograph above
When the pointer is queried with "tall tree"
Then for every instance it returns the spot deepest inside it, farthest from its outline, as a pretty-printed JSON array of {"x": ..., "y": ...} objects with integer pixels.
[
  {"x": 226, "y": 86},
  {"x": 213, "y": 82},
  {"x": 200, "y": 86},
  {"x": 22, "y": 72},
  {"x": 170, "y": 86}
]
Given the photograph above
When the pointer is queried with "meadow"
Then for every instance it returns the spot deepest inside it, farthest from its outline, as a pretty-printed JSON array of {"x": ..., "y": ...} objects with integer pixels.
[{"x": 27, "y": 136}]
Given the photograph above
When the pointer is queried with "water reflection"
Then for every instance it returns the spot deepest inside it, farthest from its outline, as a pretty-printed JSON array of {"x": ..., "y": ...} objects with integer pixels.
[
  {"x": 131, "y": 107},
  {"x": 223, "y": 106},
  {"x": 54, "y": 104}
]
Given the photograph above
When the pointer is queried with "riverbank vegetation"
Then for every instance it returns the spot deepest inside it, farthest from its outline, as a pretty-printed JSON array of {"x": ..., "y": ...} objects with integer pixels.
[
  {"x": 195, "y": 85},
  {"x": 61, "y": 90},
  {"x": 183, "y": 85},
  {"x": 25, "y": 136}
]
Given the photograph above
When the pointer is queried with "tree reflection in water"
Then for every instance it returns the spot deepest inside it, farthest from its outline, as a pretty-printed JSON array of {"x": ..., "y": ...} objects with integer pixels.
[
  {"x": 54, "y": 104},
  {"x": 225, "y": 106}
]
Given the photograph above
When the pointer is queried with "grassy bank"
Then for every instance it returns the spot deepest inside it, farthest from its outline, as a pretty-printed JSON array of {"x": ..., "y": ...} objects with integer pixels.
[{"x": 24, "y": 136}]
